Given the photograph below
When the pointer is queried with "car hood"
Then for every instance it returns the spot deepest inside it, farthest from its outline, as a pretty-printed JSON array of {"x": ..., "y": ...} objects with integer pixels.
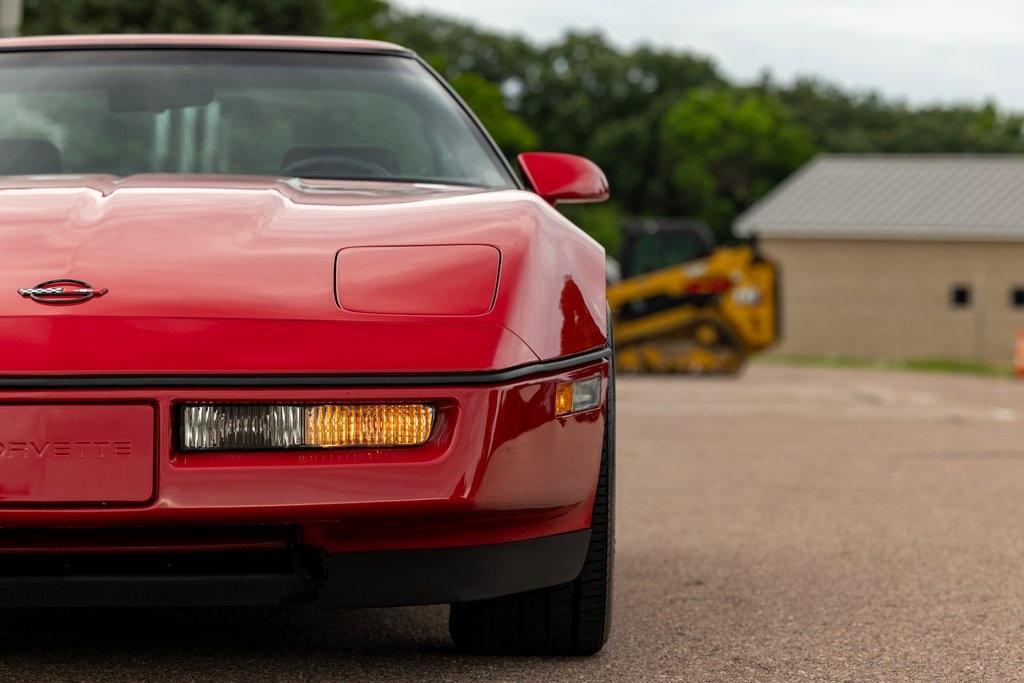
[{"x": 221, "y": 274}]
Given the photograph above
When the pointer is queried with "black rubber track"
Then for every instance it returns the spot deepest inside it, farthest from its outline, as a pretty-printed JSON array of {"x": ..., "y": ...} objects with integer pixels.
[{"x": 570, "y": 619}]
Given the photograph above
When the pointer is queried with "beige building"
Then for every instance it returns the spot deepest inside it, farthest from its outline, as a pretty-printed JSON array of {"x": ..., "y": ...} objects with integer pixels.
[{"x": 899, "y": 257}]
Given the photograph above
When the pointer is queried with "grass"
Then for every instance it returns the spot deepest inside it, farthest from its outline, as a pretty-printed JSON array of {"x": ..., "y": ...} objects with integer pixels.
[{"x": 945, "y": 365}]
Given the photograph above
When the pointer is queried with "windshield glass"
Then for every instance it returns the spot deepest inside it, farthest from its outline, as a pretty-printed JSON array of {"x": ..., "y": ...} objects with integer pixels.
[{"x": 301, "y": 114}]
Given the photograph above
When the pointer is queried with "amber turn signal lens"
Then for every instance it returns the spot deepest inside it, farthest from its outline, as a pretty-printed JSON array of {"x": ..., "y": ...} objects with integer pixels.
[
  {"x": 563, "y": 399},
  {"x": 212, "y": 427},
  {"x": 338, "y": 426},
  {"x": 574, "y": 397}
]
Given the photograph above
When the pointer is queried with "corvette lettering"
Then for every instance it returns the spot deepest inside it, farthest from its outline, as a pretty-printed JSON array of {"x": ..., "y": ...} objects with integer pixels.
[{"x": 63, "y": 450}]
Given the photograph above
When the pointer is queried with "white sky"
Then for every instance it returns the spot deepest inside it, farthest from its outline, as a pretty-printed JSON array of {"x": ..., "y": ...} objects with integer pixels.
[{"x": 921, "y": 50}]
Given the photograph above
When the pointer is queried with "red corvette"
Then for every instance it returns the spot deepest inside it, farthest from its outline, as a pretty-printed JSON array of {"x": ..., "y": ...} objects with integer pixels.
[{"x": 279, "y": 323}]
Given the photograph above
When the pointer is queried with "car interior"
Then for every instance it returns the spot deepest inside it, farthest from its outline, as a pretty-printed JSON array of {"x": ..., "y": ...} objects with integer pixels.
[
  {"x": 26, "y": 156},
  {"x": 312, "y": 161},
  {"x": 21, "y": 156}
]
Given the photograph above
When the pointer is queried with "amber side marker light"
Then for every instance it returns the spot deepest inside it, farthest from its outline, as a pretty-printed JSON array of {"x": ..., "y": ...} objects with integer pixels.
[
  {"x": 575, "y": 397},
  {"x": 218, "y": 427}
]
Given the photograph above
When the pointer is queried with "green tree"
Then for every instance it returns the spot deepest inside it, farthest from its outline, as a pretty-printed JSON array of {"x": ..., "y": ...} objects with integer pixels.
[
  {"x": 582, "y": 83},
  {"x": 842, "y": 121},
  {"x": 723, "y": 149},
  {"x": 358, "y": 18},
  {"x": 456, "y": 47},
  {"x": 176, "y": 16},
  {"x": 484, "y": 98}
]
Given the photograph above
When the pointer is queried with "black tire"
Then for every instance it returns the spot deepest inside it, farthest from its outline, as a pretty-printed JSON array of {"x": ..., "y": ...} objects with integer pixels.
[{"x": 570, "y": 619}]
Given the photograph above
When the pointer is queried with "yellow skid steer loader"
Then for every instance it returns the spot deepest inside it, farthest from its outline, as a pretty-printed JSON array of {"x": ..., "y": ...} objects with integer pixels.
[{"x": 684, "y": 305}]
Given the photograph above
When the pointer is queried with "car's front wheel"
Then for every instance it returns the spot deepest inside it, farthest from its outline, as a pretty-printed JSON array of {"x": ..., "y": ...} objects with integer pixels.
[{"x": 569, "y": 619}]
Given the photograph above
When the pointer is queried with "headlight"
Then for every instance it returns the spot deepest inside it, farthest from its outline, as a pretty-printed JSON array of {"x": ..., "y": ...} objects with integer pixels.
[{"x": 218, "y": 427}]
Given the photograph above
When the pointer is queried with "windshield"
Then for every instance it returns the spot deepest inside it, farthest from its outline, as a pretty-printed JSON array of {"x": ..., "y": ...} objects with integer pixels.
[{"x": 301, "y": 114}]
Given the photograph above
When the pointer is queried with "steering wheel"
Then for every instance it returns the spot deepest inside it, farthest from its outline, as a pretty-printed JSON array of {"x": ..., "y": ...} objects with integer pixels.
[{"x": 327, "y": 166}]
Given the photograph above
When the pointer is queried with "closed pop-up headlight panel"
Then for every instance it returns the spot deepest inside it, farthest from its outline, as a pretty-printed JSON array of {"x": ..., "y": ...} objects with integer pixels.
[{"x": 447, "y": 279}]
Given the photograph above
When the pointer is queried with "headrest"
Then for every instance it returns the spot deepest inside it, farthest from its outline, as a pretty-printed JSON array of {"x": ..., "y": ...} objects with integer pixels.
[{"x": 29, "y": 157}]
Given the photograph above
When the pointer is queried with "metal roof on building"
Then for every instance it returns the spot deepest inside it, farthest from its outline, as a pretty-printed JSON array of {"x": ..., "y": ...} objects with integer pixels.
[{"x": 946, "y": 197}]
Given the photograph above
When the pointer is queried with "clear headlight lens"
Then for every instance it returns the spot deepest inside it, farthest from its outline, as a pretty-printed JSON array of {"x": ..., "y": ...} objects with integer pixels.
[{"x": 269, "y": 427}]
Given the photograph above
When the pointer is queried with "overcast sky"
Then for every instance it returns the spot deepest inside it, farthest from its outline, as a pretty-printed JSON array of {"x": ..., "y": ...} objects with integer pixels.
[{"x": 921, "y": 50}]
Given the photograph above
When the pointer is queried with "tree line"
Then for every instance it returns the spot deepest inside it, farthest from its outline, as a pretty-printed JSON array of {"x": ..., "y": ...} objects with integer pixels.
[{"x": 674, "y": 134}]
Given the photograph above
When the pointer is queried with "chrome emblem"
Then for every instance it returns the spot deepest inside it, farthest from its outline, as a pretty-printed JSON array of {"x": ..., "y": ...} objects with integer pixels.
[{"x": 62, "y": 292}]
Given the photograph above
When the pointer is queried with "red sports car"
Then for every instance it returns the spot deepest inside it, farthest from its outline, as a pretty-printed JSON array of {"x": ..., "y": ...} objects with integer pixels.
[{"x": 279, "y": 323}]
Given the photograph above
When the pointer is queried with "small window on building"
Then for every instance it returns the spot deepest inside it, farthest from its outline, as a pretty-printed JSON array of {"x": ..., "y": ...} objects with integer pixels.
[
  {"x": 960, "y": 296},
  {"x": 1017, "y": 296}
]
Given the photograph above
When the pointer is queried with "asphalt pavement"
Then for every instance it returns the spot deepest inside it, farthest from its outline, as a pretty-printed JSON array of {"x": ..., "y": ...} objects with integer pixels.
[{"x": 791, "y": 524}]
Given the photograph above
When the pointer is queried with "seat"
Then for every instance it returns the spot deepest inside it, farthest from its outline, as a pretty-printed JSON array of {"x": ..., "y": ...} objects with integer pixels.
[{"x": 22, "y": 156}]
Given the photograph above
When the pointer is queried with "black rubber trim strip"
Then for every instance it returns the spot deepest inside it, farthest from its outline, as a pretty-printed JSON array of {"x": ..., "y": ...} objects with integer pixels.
[
  {"x": 357, "y": 579},
  {"x": 227, "y": 590},
  {"x": 143, "y": 44},
  {"x": 431, "y": 576},
  {"x": 409, "y": 379}
]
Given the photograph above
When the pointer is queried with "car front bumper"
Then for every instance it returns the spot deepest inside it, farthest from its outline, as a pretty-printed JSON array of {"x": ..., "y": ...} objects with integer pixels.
[{"x": 498, "y": 501}]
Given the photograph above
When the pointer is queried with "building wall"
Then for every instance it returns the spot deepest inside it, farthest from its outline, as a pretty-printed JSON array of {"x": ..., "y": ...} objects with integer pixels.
[{"x": 891, "y": 299}]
